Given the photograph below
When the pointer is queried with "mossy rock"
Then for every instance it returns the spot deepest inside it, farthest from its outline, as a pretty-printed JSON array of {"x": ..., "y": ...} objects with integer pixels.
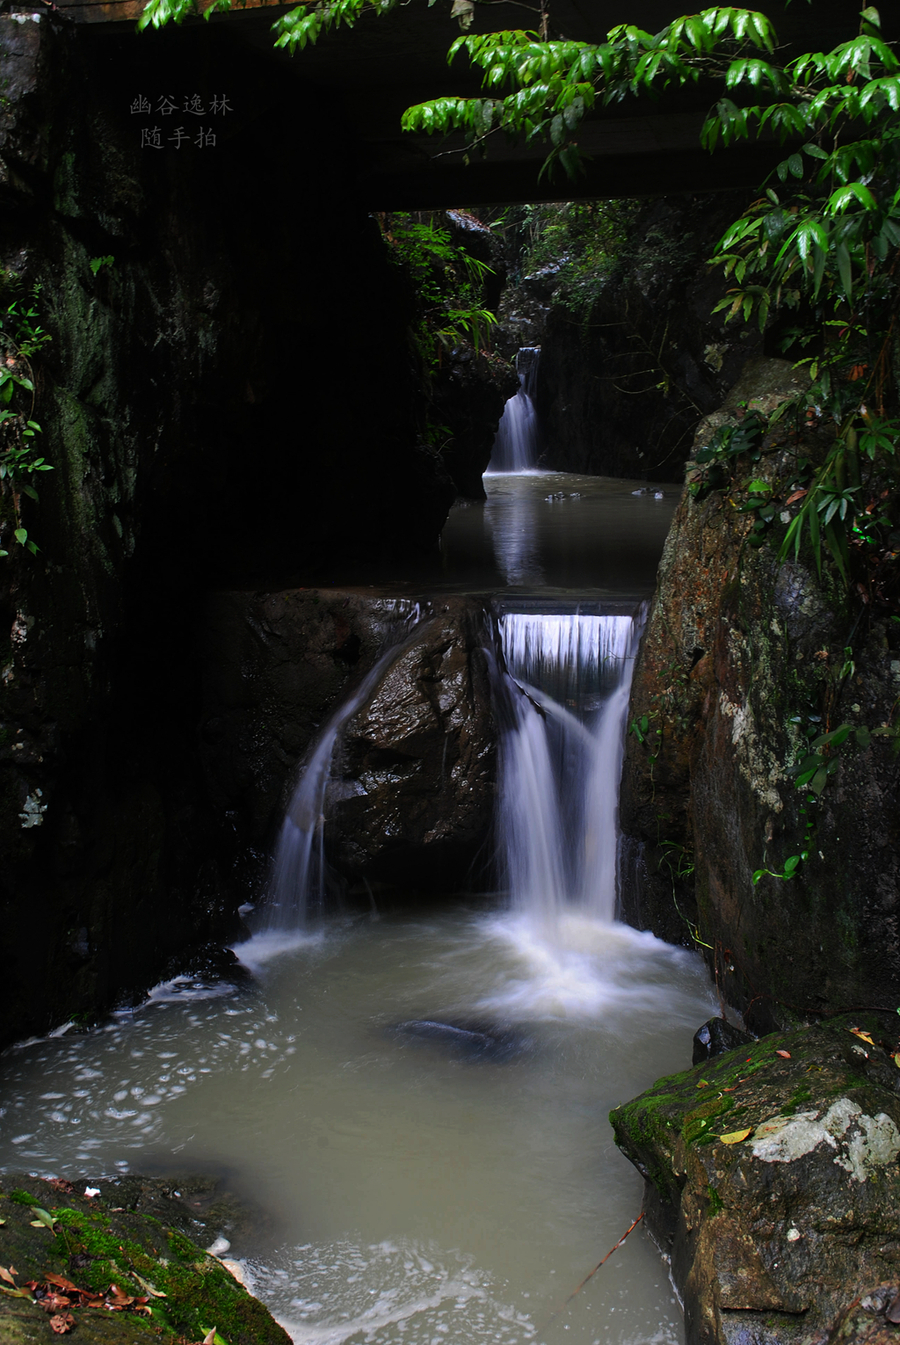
[
  {"x": 94, "y": 1245},
  {"x": 774, "y": 1178}
]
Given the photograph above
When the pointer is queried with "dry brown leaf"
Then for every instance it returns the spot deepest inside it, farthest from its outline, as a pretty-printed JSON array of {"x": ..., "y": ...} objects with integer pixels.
[
  {"x": 5, "y": 1275},
  {"x": 797, "y": 495},
  {"x": 62, "y": 1283},
  {"x": 210, "y": 1337},
  {"x": 785, "y": 1055},
  {"x": 62, "y": 1323},
  {"x": 53, "y": 1302},
  {"x": 863, "y": 1036},
  {"x": 735, "y": 1136}
]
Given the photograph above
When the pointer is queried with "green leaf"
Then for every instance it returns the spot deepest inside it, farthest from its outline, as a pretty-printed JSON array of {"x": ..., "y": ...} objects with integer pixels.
[{"x": 845, "y": 269}]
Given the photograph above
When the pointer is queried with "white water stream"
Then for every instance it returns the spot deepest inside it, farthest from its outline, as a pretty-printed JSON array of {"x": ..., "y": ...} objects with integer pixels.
[{"x": 516, "y": 444}]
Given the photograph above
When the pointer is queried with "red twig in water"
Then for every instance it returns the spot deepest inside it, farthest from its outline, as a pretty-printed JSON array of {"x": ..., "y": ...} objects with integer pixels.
[{"x": 591, "y": 1273}]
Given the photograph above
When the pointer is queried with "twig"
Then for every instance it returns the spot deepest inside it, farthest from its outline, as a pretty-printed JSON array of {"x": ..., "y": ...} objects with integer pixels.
[{"x": 591, "y": 1274}]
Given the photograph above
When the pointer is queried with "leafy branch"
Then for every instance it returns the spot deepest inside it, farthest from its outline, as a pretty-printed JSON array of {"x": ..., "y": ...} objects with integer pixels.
[{"x": 21, "y": 337}]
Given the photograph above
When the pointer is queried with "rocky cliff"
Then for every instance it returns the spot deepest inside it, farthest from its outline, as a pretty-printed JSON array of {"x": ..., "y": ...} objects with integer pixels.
[
  {"x": 744, "y": 661},
  {"x": 625, "y": 376}
]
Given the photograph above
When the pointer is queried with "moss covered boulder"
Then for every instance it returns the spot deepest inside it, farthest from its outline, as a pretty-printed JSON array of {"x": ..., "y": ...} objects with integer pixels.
[
  {"x": 107, "y": 1273},
  {"x": 773, "y": 1180}
]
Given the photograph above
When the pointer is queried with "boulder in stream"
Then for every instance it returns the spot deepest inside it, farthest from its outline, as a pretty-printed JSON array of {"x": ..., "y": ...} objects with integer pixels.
[
  {"x": 772, "y": 1178},
  {"x": 412, "y": 793}
]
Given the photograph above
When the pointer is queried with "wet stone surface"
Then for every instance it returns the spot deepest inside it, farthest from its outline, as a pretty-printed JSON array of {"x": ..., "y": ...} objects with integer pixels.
[
  {"x": 124, "y": 1266},
  {"x": 772, "y": 1176}
]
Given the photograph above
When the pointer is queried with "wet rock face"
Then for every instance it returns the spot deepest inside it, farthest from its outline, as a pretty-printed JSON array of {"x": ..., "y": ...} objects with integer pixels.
[
  {"x": 468, "y": 395},
  {"x": 412, "y": 798},
  {"x": 716, "y": 1037},
  {"x": 195, "y": 410},
  {"x": 622, "y": 385},
  {"x": 773, "y": 1178},
  {"x": 412, "y": 788},
  {"x": 740, "y": 655}
]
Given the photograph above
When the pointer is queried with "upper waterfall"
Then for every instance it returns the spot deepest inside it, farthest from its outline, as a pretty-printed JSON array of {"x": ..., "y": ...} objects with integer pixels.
[{"x": 516, "y": 445}]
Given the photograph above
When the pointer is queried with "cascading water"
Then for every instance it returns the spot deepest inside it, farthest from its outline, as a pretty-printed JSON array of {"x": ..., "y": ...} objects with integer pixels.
[
  {"x": 413, "y": 1194},
  {"x": 566, "y": 688},
  {"x": 516, "y": 445},
  {"x": 298, "y": 887}
]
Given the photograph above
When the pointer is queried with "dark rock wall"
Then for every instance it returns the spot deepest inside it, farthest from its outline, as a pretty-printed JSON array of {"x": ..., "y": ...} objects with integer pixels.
[
  {"x": 232, "y": 400},
  {"x": 622, "y": 385},
  {"x": 414, "y": 793},
  {"x": 468, "y": 396},
  {"x": 739, "y": 652}
]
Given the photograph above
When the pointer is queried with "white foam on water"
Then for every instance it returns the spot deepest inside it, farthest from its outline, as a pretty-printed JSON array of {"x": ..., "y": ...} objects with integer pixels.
[
  {"x": 182, "y": 988},
  {"x": 572, "y": 965},
  {"x": 394, "y": 1290},
  {"x": 257, "y": 953}
]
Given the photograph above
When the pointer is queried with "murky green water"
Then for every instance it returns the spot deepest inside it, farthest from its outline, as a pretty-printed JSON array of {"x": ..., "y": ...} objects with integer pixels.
[
  {"x": 415, "y": 1191},
  {"x": 418, "y": 1194}
]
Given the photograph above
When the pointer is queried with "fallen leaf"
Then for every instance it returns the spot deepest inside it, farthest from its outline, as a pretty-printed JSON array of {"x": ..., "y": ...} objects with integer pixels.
[
  {"x": 41, "y": 1217},
  {"x": 5, "y": 1275},
  {"x": 145, "y": 1284},
  {"x": 785, "y": 1055},
  {"x": 210, "y": 1337},
  {"x": 702, "y": 1084},
  {"x": 797, "y": 495},
  {"x": 16, "y": 1293},
  {"x": 60, "y": 1184},
  {"x": 62, "y": 1283},
  {"x": 53, "y": 1302},
  {"x": 62, "y": 1324},
  {"x": 897, "y": 1059},
  {"x": 863, "y": 1036},
  {"x": 736, "y": 1136}
]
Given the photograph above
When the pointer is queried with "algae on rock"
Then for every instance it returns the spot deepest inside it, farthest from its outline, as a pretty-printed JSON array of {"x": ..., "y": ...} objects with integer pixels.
[{"x": 773, "y": 1180}]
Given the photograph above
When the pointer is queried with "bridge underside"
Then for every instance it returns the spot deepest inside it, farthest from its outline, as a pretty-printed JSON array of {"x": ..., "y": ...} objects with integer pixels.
[{"x": 366, "y": 77}]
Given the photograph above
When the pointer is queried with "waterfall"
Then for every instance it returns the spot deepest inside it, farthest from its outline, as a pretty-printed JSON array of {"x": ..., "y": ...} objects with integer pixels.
[
  {"x": 516, "y": 444},
  {"x": 298, "y": 885},
  {"x": 565, "y": 694}
]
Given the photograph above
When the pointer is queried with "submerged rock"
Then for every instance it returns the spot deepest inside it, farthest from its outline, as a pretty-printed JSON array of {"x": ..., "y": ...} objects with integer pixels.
[
  {"x": 472, "y": 1041},
  {"x": 773, "y": 1179}
]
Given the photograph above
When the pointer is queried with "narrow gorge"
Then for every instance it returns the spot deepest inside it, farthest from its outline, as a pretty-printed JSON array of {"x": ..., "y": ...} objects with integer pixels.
[{"x": 448, "y": 760}]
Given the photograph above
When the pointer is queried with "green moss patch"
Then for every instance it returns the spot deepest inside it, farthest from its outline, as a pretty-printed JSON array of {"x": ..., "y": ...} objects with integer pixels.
[
  {"x": 752, "y": 1084},
  {"x": 175, "y": 1291}
]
